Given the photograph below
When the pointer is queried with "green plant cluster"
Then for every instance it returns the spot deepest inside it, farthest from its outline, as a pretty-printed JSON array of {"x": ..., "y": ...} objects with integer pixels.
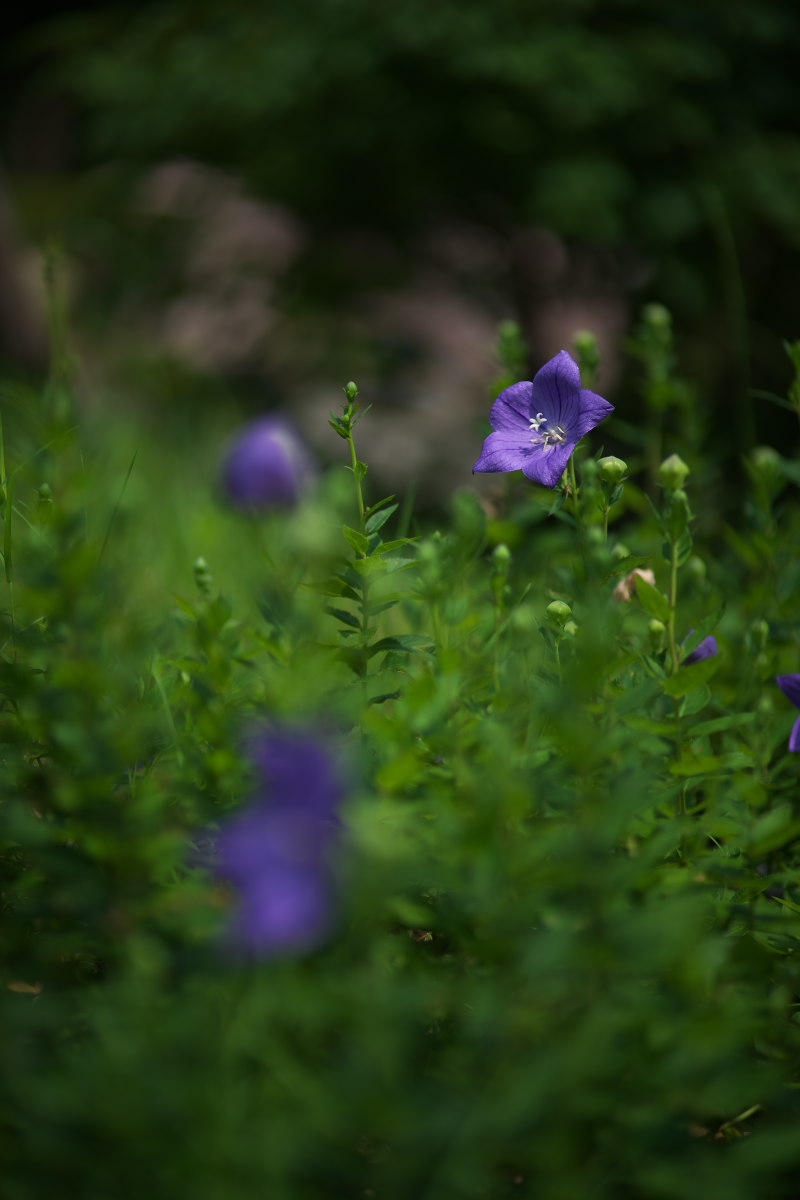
[{"x": 565, "y": 954}]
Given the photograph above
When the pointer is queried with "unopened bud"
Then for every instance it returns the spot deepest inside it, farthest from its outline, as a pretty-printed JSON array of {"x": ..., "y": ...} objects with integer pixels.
[
  {"x": 766, "y": 467},
  {"x": 558, "y": 612},
  {"x": 656, "y": 316},
  {"x": 501, "y": 556},
  {"x": 202, "y": 576},
  {"x": 351, "y": 391},
  {"x": 612, "y": 470},
  {"x": 695, "y": 569},
  {"x": 673, "y": 472}
]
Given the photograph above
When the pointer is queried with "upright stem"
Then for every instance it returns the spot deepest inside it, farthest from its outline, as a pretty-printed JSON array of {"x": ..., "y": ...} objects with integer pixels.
[
  {"x": 357, "y": 477},
  {"x": 673, "y": 599},
  {"x": 365, "y": 578},
  {"x": 573, "y": 483}
]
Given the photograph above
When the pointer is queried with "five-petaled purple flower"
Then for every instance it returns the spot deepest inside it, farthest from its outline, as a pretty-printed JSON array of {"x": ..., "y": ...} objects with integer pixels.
[
  {"x": 276, "y": 851},
  {"x": 790, "y": 686},
  {"x": 706, "y": 649},
  {"x": 537, "y": 425},
  {"x": 267, "y": 466}
]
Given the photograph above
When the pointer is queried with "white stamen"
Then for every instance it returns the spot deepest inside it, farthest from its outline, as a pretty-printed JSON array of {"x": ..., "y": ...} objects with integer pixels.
[{"x": 547, "y": 437}]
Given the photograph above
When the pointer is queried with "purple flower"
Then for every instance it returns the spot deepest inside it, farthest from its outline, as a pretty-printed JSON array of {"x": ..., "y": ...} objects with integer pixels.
[
  {"x": 538, "y": 425},
  {"x": 706, "y": 649},
  {"x": 276, "y": 851},
  {"x": 790, "y": 686},
  {"x": 266, "y": 466}
]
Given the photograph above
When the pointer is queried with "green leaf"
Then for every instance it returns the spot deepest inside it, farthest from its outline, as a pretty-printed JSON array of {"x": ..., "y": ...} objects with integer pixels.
[
  {"x": 385, "y": 547},
  {"x": 380, "y": 504},
  {"x": 684, "y": 548},
  {"x": 412, "y": 643},
  {"x": 702, "y": 630},
  {"x": 334, "y": 587},
  {"x": 721, "y": 724},
  {"x": 652, "y": 600},
  {"x": 696, "y": 764},
  {"x": 341, "y": 614},
  {"x": 695, "y": 701},
  {"x": 686, "y": 679},
  {"x": 360, "y": 470},
  {"x": 357, "y": 540},
  {"x": 773, "y": 831},
  {"x": 377, "y": 520}
]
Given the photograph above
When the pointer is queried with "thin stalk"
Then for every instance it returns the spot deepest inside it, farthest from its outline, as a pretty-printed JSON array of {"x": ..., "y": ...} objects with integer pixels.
[
  {"x": 357, "y": 477},
  {"x": 673, "y": 599},
  {"x": 365, "y": 583}
]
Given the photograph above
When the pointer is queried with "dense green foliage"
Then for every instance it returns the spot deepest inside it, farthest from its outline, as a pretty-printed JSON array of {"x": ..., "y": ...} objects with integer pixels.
[{"x": 565, "y": 963}]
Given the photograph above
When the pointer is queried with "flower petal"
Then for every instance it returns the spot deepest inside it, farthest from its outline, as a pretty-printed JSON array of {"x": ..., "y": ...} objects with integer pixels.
[
  {"x": 285, "y": 910},
  {"x": 594, "y": 409},
  {"x": 557, "y": 391},
  {"x": 794, "y": 737},
  {"x": 512, "y": 408},
  {"x": 546, "y": 464},
  {"x": 505, "y": 451},
  {"x": 706, "y": 649},
  {"x": 790, "y": 686}
]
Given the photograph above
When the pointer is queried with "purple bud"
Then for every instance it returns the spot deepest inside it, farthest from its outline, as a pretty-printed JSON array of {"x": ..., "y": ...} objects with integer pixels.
[
  {"x": 267, "y": 466},
  {"x": 706, "y": 649}
]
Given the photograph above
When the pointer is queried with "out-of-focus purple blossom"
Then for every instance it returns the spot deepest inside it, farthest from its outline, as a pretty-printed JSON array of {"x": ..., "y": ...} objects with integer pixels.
[
  {"x": 538, "y": 424},
  {"x": 276, "y": 850},
  {"x": 707, "y": 649},
  {"x": 266, "y": 466},
  {"x": 790, "y": 686}
]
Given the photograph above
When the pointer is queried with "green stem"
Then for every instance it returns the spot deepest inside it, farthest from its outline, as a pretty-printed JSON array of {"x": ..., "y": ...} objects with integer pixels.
[
  {"x": 673, "y": 599},
  {"x": 357, "y": 477},
  {"x": 573, "y": 483}
]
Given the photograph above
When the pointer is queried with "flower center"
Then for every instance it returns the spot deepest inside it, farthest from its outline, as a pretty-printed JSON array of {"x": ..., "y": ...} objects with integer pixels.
[{"x": 555, "y": 436}]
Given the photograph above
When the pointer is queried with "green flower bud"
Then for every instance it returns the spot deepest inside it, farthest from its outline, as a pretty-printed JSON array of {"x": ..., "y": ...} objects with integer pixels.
[
  {"x": 696, "y": 570},
  {"x": 657, "y": 316},
  {"x": 620, "y": 551},
  {"x": 612, "y": 470},
  {"x": 570, "y": 629},
  {"x": 766, "y": 467},
  {"x": 673, "y": 472},
  {"x": 524, "y": 618},
  {"x": 501, "y": 555},
  {"x": 757, "y": 636},
  {"x": 202, "y": 576},
  {"x": 587, "y": 354},
  {"x": 558, "y": 613},
  {"x": 351, "y": 391},
  {"x": 585, "y": 342}
]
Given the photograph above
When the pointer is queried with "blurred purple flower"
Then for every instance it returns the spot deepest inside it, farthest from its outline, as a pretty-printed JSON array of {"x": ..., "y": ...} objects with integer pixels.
[
  {"x": 267, "y": 466},
  {"x": 706, "y": 649},
  {"x": 790, "y": 686},
  {"x": 275, "y": 852},
  {"x": 538, "y": 425}
]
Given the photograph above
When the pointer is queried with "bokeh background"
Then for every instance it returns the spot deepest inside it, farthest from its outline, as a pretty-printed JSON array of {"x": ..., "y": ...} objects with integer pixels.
[{"x": 247, "y": 204}]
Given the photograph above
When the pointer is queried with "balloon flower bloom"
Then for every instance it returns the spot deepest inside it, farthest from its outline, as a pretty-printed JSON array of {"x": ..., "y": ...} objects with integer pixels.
[
  {"x": 790, "y": 686},
  {"x": 538, "y": 425},
  {"x": 267, "y": 466},
  {"x": 276, "y": 851}
]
